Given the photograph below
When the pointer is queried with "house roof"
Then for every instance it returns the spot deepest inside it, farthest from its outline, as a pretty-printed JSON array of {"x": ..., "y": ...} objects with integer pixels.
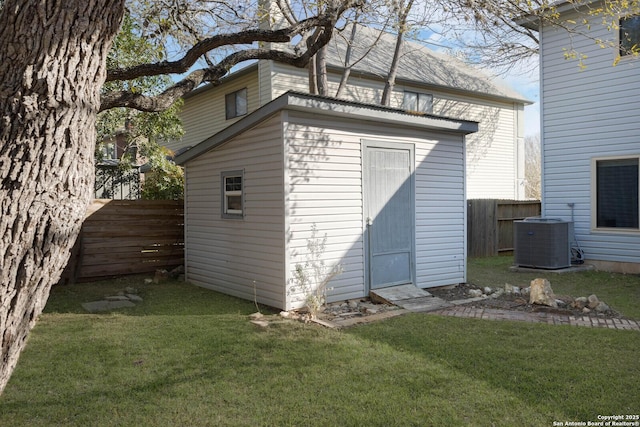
[
  {"x": 329, "y": 107},
  {"x": 418, "y": 64}
]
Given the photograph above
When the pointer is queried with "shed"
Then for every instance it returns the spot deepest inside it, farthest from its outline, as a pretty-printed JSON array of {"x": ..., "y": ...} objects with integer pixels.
[{"x": 306, "y": 179}]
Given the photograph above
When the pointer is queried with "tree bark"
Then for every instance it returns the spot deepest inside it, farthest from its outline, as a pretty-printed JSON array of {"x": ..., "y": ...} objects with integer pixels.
[
  {"x": 322, "y": 82},
  {"x": 52, "y": 66},
  {"x": 393, "y": 69}
]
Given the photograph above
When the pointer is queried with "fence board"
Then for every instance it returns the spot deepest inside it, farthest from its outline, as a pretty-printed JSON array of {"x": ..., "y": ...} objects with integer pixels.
[
  {"x": 121, "y": 237},
  {"x": 490, "y": 224}
]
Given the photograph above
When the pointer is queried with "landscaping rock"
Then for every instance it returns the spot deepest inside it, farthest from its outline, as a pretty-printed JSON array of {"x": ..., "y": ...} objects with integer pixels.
[
  {"x": 176, "y": 272},
  {"x": 498, "y": 293},
  {"x": 160, "y": 276},
  {"x": 542, "y": 294},
  {"x": 475, "y": 293},
  {"x": 487, "y": 290},
  {"x": 261, "y": 323},
  {"x": 580, "y": 302},
  {"x": 593, "y": 301},
  {"x": 510, "y": 289},
  {"x": 602, "y": 307},
  {"x": 586, "y": 310},
  {"x": 256, "y": 316}
]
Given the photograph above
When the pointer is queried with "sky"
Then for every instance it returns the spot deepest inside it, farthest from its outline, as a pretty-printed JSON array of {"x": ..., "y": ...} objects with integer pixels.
[{"x": 524, "y": 82}]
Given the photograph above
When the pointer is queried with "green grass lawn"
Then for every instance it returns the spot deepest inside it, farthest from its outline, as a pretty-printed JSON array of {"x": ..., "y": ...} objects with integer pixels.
[{"x": 188, "y": 357}]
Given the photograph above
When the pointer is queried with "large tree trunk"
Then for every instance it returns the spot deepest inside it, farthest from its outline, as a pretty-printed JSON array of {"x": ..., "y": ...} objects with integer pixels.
[{"x": 52, "y": 66}]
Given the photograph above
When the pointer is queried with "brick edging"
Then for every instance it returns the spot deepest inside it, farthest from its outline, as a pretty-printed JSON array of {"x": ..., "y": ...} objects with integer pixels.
[{"x": 548, "y": 318}]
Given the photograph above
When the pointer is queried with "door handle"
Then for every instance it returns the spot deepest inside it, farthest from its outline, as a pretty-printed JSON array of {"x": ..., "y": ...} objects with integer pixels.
[{"x": 369, "y": 221}]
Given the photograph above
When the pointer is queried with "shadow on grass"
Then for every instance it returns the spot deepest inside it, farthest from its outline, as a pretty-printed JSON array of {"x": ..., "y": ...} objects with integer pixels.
[
  {"x": 576, "y": 372},
  {"x": 171, "y": 298}
]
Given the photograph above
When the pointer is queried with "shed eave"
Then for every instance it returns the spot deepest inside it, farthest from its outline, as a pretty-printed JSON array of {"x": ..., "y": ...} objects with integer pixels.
[{"x": 329, "y": 107}]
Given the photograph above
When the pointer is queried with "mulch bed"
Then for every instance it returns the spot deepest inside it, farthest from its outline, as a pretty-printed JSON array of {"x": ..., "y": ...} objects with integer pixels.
[{"x": 515, "y": 302}]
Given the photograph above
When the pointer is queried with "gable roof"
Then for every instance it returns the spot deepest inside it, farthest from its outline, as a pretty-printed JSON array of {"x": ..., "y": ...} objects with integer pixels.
[
  {"x": 418, "y": 64},
  {"x": 329, "y": 107}
]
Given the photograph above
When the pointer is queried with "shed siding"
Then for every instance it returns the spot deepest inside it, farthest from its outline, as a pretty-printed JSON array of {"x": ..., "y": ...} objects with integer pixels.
[
  {"x": 491, "y": 153},
  {"x": 232, "y": 255},
  {"x": 586, "y": 114},
  {"x": 440, "y": 211},
  {"x": 203, "y": 114},
  {"x": 325, "y": 189}
]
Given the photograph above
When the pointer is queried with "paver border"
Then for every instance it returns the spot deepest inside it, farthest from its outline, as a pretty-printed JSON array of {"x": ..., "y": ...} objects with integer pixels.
[{"x": 548, "y": 318}]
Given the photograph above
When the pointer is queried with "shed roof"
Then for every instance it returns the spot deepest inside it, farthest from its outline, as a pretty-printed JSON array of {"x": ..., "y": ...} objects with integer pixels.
[{"x": 329, "y": 107}]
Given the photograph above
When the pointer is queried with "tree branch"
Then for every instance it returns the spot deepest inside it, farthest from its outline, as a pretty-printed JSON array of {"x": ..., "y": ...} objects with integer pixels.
[
  {"x": 326, "y": 22},
  {"x": 212, "y": 75}
]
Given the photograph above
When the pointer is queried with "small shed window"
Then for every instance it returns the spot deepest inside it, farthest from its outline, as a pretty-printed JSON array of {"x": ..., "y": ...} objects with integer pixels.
[
  {"x": 420, "y": 102},
  {"x": 630, "y": 35},
  {"x": 236, "y": 103},
  {"x": 232, "y": 194}
]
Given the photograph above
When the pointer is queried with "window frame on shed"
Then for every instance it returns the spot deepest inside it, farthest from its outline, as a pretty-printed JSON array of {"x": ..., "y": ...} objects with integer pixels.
[{"x": 232, "y": 187}]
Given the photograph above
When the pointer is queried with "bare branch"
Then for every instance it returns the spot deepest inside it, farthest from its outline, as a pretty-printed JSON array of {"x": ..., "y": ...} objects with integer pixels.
[
  {"x": 212, "y": 75},
  {"x": 323, "y": 24},
  {"x": 207, "y": 45}
]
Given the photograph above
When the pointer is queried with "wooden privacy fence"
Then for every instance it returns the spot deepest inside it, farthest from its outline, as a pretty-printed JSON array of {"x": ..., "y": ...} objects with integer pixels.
[
  {"x": 121, "y": 237},
  {"x": 490, "y": 224}
]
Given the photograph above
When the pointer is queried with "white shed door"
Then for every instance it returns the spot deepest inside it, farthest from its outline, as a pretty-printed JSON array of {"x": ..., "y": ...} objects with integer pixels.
[{"x": 389, "y": 214}]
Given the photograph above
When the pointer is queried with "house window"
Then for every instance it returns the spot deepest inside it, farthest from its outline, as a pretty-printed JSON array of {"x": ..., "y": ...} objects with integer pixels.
[
  {"x": 414, "y": 101},
  {"x": 616, "y": 193},
  {"x": 236, "y": 103},
  {"x": 630, "y": 35},
  {"x": 109, "y": 150},
  {"x": 232, "y": 194}
]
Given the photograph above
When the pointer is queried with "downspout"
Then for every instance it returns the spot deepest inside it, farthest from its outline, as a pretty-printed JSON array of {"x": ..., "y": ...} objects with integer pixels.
[{"x": 543, "y": 207}]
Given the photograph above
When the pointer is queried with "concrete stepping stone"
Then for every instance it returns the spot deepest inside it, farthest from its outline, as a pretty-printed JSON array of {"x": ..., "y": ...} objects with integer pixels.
[{"x": 106, "y": 305}]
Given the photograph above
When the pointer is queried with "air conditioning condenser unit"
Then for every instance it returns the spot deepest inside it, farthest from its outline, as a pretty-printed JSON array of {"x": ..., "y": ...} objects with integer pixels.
[{"x": 542, "y": 243}]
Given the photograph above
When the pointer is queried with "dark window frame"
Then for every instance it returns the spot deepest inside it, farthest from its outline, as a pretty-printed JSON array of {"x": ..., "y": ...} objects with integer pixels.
[
  {"x": 617, "y": 193},
  {"x": 629, "y": 35},
  {"x": 236, "y": 103}
]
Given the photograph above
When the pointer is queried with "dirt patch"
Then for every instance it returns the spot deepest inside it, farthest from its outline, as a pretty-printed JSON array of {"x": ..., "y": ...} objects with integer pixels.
[{"x": 516, "y": 302}]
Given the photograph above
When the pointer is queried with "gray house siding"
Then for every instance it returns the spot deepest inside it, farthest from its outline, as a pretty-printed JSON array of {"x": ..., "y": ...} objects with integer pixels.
[{"x": 587, "y": 114}]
